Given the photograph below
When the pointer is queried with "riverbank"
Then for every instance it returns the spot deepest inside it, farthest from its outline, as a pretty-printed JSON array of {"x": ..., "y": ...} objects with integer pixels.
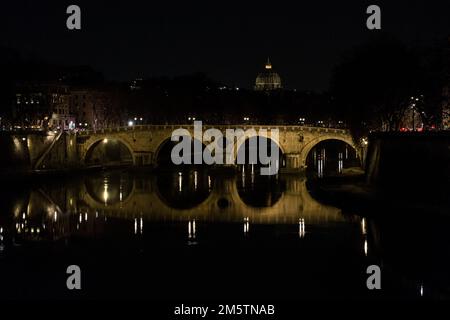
[{"x": 352, "y": 193}]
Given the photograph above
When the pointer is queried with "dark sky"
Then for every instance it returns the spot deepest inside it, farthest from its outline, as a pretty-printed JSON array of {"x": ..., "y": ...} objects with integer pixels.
[{"x": 228, "y": 40}]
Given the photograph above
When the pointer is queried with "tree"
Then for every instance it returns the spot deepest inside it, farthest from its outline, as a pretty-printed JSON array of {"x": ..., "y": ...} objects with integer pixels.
[{"x": 372, "y": 87}]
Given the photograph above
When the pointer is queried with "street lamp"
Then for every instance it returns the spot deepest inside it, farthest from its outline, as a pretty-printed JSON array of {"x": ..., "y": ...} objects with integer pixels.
[{"x": 130, "y": 123}]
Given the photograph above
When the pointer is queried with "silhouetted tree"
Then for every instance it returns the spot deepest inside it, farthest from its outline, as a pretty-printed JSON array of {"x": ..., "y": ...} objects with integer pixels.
[{"x": 373, "y": 85}]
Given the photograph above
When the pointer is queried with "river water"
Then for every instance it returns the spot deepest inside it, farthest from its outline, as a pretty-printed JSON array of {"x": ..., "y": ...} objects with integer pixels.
[{"x": 196, "y": 234}]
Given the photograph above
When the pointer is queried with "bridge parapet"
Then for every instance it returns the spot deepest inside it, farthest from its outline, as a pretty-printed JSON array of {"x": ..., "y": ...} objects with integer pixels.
[{"x": 220, "y": 127}]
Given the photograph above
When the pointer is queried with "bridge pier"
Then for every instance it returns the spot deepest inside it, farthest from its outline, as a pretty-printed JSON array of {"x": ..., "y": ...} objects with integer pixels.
[
  {"x": 143, "y": 159},
  {"x": 294, "y": 163}
]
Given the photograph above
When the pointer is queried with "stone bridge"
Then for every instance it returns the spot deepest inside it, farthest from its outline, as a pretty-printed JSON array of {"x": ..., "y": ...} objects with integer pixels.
[{"x": 145, "y": 142}]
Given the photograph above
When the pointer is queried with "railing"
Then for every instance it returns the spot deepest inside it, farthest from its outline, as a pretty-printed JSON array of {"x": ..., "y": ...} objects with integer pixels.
[{"x": 135, "y": 128}]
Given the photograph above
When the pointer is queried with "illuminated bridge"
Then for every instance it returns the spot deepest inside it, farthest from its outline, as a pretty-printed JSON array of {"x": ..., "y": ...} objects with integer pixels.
[{"x": 145, "y": 145}]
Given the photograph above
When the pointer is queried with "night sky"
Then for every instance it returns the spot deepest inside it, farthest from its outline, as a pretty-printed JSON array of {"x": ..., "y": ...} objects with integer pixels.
[{"x": 227, "y": 40}]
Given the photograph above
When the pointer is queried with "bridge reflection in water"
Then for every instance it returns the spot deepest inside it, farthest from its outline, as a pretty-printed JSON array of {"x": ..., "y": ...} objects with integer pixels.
[
  {"x": 220, "y": 221},
  {"x": 180, "y": 196}
]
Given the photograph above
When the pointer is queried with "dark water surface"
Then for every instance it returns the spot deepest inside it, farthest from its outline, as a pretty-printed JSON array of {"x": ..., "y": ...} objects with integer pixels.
[{"x": 193, "y": 235}]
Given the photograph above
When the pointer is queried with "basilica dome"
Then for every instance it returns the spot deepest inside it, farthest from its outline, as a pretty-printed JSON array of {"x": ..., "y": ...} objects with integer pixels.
[{"x": 268, "y": 79}]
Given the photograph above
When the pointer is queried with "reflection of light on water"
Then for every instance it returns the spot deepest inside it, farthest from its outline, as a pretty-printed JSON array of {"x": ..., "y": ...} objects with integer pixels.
[
  {"x": 17, "y": 144},
  {"x": 366, "y": 247},
  {"x": 321, "y": 163},
  {"x": 341, "y": 163},
  {"x": 301, "y": 228},
  {"x": 421, "y": 290},
  {"x": 191, "y": 230},
  {"x": 209, "y": 182},
  {"x": 195, "y": 180},
  {"x": 80, "y": 218},
  {"x": 135, "y": 226},
  {"x": 315, "y": 158},
  {"x": 105, "y": 192},
  {"x": 363, "y": 226},
  {"x": 55, "y": 216},
  {"x": 120, "y": 193},
  {"x": 141, "y": 226},
  {"x": 86, "y": 217},
  {"x": 320, "y": 168},
  {"x": 246, "y": 225},
  {"x": 180, "y": 182},
  {"x": 2, "y": 247}
]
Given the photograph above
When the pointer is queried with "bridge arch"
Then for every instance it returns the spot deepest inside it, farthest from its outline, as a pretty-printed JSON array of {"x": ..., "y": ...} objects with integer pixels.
[
  {"x": 311, "y": 144},
  {"x": 243, "y": 141},
  {"x": 165, "y": 146},
  {"x": 92, "y": 145}
]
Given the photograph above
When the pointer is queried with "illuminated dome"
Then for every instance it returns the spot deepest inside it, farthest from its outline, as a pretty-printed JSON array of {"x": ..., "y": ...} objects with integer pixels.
[{"x": 268, "y": 80}]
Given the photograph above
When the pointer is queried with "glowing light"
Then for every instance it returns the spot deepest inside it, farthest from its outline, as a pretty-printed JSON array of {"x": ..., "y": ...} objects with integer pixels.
[
  {"x": 192, "y": 230},
  {"x": 180, "y": 182},
  {"x": 195, "y": 180},
  {"x": 301, "y": 228},
  {"x": 105, "y": 192},
  {"x": 55, "y": 216},
  {"x": 130, "y": 123},
  {"x": 363, "y": 226},
  {"x": 366, "y": 247},
  {"x": 320, "y": 168},
  {"x": 105, "y": 140},
  {"x": 246, "y": 225}
]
